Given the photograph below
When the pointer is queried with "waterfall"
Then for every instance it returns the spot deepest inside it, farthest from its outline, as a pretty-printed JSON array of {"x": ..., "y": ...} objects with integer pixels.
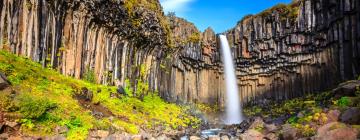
[{"x": 233, "y": 106}]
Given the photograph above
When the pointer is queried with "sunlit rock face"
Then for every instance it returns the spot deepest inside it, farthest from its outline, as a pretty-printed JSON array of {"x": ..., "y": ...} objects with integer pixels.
[
  {"x": 76, "y": 36},
  {"x": 277, "y": 57}
]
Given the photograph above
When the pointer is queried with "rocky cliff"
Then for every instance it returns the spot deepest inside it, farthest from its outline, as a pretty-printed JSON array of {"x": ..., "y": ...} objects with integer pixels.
[
  {"x": 283, "y": 52},
  {"x": 108, "y": 39},
  {"x": 286, "y": 51}
]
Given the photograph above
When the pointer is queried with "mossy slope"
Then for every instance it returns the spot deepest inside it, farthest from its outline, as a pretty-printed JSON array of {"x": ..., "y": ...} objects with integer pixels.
[{"x": 43, "y": 99}]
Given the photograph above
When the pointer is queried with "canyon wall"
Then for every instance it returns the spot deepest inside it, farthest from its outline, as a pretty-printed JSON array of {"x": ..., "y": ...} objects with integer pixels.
[
  {"x": 108, "y": 39},
  {"x": 284, "y": 52}
]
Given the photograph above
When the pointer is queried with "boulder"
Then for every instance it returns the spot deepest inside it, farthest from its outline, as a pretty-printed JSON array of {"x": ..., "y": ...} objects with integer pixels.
[
  {"x": 289, "y": 133},
  {"x": 257, "y": 123},
  {"x": 4, "y": 136},
  {"x": 4, "y": 83},
  {"x": 86, "y": 94},
  {"x": 351, "y": 116},
  {"x": 333, "y": 115},
  {"x": 11, "y": 124},
  {"x": 61, "y": 130},
  {"x": 224, "y": 137},
  {"x": 271, "y": 127},
  {"x": 271, "y": 136},
  {"x": 136, "y": 137},
  {"x": 146, "y": 136},
  {"x": 118, "y": 136},
  {"x": 194, "y": 138},
  {"x": 99, "y": 134},
  {"x": 215, "y": 137},
  {"x": 121, "y": 90},
  {"x": 346, "y": 89},
  {"x": 252, "y": 134},
  {"x": 336, "y": 131},
  {"x": 163, "y": 137}
]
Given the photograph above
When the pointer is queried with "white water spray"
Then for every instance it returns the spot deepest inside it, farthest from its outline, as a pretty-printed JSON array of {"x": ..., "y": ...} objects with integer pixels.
[{"x": 233, "y": 107}]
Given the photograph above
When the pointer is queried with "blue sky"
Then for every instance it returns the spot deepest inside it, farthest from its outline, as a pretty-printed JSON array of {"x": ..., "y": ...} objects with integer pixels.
[{"x": 221, "y": 15}]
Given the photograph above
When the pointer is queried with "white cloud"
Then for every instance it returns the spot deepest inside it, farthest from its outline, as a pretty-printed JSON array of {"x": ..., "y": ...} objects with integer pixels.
[{"x": 177, "y": 6}]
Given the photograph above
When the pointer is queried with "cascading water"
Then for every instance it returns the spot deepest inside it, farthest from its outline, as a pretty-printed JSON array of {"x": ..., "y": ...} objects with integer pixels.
[{"x": 233, "y": 107}]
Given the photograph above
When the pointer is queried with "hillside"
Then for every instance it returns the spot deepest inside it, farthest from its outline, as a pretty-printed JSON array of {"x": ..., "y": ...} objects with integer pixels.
[{"x": 42, "y": 102}]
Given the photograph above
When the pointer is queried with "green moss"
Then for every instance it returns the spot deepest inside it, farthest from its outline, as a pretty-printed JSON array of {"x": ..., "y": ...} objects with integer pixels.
[
  {"x": 130, "y": 128},
  {"x": 33, "y": 107},
  {"x": 46, "y": 101},
  {"x": 194, "y": 37}
]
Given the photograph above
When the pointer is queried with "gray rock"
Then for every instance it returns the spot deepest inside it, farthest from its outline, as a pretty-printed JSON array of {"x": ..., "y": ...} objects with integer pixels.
[
  {"x": 194, "y": 138},
  {"x": 214, "y": 137},
  {"x": 61, "y": 129},
  {"x": 118, "y": 136},
  {"x": 11, "y": 124},
  {"x": 289, "y": 133},
  {"x": 333, "y": 115},
  {"x": 351, "y": 116},
  {"x": 136, "y": 137},
  {"x": 258, "y": 123},
  {"x": 57, "y": 137},
  {"x": 4, "y": 136},
  {"x": 271, "y": 127},
  {"x": 346, "y": 89},
  {"x": 163, "y": 137},
  {"x": 224, "y": 137},
  {"x": 271, "y": 136},
  {"x": 86, "y": 94},
  {"x": 99, "y": 134},
  {"x": 252, "y": 135},
  {"x": 336, "y": 131},
  {"x": 4, "y": 83}
]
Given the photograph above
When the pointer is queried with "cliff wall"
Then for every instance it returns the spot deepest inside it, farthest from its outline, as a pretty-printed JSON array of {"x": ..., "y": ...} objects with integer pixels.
[
  {"x": 109, "y": 39},
  {"x": 286, "y": 51}
]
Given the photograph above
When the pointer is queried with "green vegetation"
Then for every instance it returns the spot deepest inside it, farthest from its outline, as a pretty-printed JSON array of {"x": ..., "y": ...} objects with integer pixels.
[
  {"x": 207, "y": 108},
  {"x": 285, "y": 11},
  {"x": 306, "y": 113},
  {"x": 194, "y": 37},
  {"x": 42, "y": 99},
  {"x": 342, "y": 102},
  {"x": 136, "y": 21},
  {"x": 28, "y": 4},
  {"x": 89, "y": 76}
]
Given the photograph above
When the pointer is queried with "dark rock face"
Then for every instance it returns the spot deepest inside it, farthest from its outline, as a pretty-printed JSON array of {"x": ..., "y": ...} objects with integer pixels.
[{"x": 276, "y": 57}]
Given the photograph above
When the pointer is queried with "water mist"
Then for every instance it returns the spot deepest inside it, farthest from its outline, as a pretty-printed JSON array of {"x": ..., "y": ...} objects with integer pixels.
[{"x": 233, "y": 106}]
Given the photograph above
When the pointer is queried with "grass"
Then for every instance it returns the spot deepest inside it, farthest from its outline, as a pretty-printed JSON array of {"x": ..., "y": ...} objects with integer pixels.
[{"x": 44, "y": 99}]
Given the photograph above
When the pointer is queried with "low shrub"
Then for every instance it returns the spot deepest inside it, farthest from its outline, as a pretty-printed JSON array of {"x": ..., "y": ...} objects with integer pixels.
[
  {"x": 33, "y": 107},
  {"x": 342, "y": 102},
  {"x": 89, "y": 76}
]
